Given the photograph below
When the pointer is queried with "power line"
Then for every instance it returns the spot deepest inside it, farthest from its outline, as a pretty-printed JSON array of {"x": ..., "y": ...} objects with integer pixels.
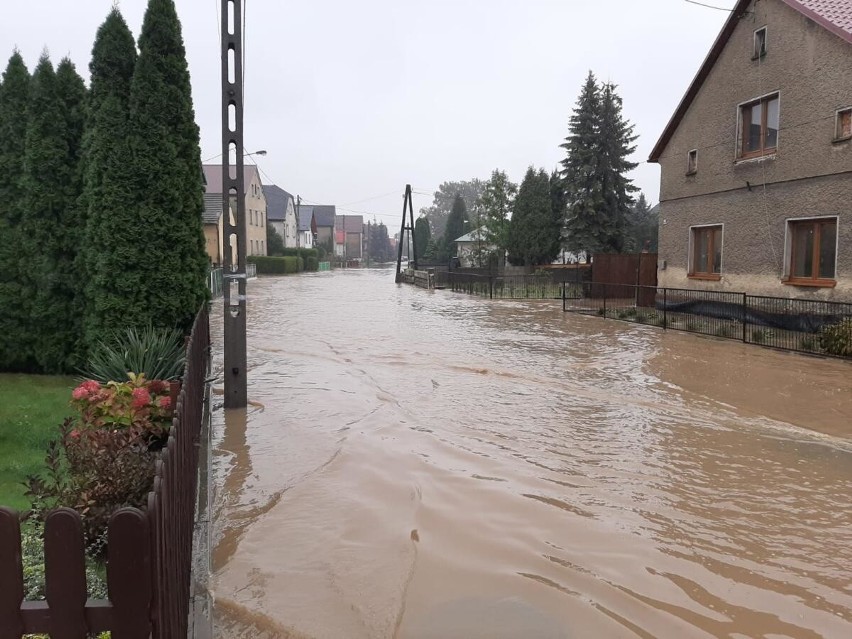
[{"x": 709, "y": 6}]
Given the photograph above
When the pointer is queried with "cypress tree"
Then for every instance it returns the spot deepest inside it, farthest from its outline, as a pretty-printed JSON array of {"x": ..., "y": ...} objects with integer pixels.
[
  {"x": 46, "y": 174},
  {"x": 112, "y": 247},
  {"x": 534, "y": 230},
  {"x": 166, "y": 160},
  {"x": 422, "y": 235},
  {"x": 457, "y": 224},
  {"x": 14, "y": 96},
  {"x": 584, "y": 227}
]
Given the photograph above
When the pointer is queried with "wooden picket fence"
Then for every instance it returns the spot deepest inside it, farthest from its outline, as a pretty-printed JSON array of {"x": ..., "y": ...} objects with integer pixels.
[{"x": 149, "y": 553}]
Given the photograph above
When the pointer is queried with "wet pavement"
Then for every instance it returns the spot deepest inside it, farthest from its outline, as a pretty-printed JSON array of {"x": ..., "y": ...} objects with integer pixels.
[{"x": 425, "y": 464}]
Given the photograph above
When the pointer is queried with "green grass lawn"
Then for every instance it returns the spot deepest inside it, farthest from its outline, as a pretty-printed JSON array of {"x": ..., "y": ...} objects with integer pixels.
[{"x": 31, "y": 409}]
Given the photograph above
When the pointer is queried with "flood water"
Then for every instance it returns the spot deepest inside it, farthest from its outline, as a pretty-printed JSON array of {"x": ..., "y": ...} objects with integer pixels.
[{"x": 426, "y": 464}]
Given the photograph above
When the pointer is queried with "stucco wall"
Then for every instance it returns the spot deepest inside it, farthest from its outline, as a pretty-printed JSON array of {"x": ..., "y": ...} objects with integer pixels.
[
  {"x": 211, "y": 241},
  {"x": 811, "y": 69},
  {"x": 255, "y": 218}
]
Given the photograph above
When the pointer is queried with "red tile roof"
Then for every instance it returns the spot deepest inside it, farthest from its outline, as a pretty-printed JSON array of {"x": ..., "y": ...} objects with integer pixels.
[{"x": 833, "y": 15}]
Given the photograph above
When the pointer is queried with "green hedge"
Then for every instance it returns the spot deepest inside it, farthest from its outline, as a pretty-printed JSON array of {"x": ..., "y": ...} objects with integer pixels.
[
  {"x": 312, "y": 264},
  {"x": 276, "y": 265},
  {"x": 304, "y": 253}
]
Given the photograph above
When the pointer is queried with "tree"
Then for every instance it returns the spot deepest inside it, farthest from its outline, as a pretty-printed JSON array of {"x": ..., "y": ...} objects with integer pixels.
[
  {"x": 597, "y": 191},
  {"x": 111, "y": 248},
  {"x": 274, "y": 241},
  {"x": 444, "y": 197},
  {"x": 14, "y": 96},
  {"x": 457, "y": 225},
  {"x": 643, "y": 226},
  {"x": 534, "y": 230},
  {"x": 495, "y": 205},
  {"x": 422, "y": 235}
]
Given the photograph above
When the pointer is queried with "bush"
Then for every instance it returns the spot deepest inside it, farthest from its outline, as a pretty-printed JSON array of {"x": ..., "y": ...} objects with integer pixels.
[
  {"x": 156, "y": 353},
  {"x": 311, "y": 264},
  {"x": 836, "y": 339},
  {"x": 267, "y": 265},
  {"x": 321, "y": 253}
]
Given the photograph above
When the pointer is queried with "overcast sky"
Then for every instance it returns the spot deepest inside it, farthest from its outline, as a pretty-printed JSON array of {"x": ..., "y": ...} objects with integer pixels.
[{"x": 352, "y": 100}]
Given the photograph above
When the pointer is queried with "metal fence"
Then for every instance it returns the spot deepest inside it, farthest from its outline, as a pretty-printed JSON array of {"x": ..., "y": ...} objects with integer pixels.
[
  {"x": 214, "y": 282},
  {"x": 538, "y": 287},
  {"x": 149, "y": 553},
  {"x": 809, "y": 326}
]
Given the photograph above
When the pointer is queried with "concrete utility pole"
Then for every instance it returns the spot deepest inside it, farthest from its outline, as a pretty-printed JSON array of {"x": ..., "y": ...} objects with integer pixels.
[
  {"x": 407, "y": 207},
  {"x": 234, "y": 205}
]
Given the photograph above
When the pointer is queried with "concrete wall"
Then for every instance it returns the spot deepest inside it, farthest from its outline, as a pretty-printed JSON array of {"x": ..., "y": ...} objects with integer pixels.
[{"x": 810, "y": 175}]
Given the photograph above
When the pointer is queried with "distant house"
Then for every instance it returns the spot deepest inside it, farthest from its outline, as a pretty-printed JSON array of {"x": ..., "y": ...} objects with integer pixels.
[
  {"x": 324, "y": 216},
  {"x": 281, "y": 214},
  {"x": 756, "y": 161},
  {"x": 473, "y": 250},
  {"x": 211, "y": 218},
  {"x": 352, "y": 239},
  {"x": 255, "y": 208},
  {"x": 307, "y": 226}
]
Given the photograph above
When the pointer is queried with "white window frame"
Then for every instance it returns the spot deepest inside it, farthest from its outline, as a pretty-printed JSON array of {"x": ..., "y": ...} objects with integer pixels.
[
  {"x": 788, "y": 241},
  {"x": 691, "y": 250}
]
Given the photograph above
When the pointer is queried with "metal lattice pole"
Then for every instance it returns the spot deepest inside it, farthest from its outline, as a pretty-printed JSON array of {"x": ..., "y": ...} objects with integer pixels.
[{"x": 233, "y": 206}]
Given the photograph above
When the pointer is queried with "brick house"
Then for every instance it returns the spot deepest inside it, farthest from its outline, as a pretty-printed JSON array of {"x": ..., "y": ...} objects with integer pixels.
[{"x": 756, "y": 162}]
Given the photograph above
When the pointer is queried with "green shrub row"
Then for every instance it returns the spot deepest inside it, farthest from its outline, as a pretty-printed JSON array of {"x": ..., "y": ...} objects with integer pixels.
[
  {"x": 269, "y": 265},
  {"x": 304, "y": 253}
]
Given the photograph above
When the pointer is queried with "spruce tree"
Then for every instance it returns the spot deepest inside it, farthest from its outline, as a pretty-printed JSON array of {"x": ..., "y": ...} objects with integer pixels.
[
  {"x": 457, "y": 225},
  {"x": 111, "y": 243},
  {"x": 14, "y": 96},
  {"x": 534, "y": 230},
  {"x": 169, "y": 274},
  {"x": 496, "y": 203},
  {"x": 422, "y": 235},
  {"x": 616, "y": 145},
  {"x": 584, "y": 228}
]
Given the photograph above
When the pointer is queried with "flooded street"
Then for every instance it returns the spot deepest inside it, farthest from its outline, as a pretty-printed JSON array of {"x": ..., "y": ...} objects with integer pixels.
[{"x": 422, "y": 464}]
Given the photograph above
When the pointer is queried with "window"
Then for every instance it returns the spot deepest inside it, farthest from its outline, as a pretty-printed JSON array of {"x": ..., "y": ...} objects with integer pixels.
[
  {"x": 759, "y": 127},
  {"x": 843, "y": 124},
  {"x": 759, "y": 43},
  {"x": 706, "y": 258},
  {"x": 692, "y": 162},
  {"x": 812, "y": 250}
]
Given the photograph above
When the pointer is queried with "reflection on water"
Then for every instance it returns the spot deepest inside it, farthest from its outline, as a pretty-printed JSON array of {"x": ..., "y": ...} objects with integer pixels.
[{"x": 421, "y": 464}]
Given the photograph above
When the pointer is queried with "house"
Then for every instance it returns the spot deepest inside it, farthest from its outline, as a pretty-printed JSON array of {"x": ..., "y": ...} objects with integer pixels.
[
  {"x": 473, "y": 250},
  {"x": 281, "y": 214},
  {"x": 324, "y": 216},
  {"x": 349, "y": 232},
  {"x": 756, "y": 162},
  {"x": 211, "y": 218},
  {"x": 255, "y": 208},
  {"x": 307, "y": 226}
]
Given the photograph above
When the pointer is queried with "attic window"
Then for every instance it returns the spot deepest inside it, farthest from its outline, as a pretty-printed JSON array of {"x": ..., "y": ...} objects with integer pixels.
[
  {"x": 759, "y": 43},
  {"x": 843, "y": 124},
  {"x": 692, "y": 162}
]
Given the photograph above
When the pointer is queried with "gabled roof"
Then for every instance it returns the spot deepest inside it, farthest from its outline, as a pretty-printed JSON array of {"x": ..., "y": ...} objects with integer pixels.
[
  {"x": 213, "y": 176},
  {"x": 476, "y": 235},
  {"x": 833, "y": 15},
  {"x": 325, "y": 214},
  {"x": 349, "y": 223},
  {"x": 212, "y": 208},
  {"x": 306, "y": 214},
  {"x": 276, "y": 202}
]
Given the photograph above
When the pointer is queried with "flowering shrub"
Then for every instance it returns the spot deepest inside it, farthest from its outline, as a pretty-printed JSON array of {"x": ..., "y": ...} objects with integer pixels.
[{"x": 136, "y": 402}]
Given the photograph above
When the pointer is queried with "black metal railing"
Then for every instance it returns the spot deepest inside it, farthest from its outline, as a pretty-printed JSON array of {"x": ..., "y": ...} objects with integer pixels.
[
  {"x": 530, "y": 287},
  {"x": 809, "y": 326}
]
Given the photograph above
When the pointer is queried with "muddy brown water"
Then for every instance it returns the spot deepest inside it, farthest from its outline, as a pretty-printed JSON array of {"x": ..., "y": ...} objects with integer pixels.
[{"x": 425, "y": 464}]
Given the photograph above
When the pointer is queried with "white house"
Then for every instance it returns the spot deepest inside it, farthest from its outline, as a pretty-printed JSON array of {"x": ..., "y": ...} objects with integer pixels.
[{"x": 281, "y": 213}]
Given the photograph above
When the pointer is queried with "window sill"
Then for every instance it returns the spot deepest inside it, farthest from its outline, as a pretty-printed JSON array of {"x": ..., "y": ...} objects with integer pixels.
[
  {"x": 845, "y": 138},
  {"x": 769, "y": 155},
  {"x": 711, "y": 277},
  {"x": 688, "y": 173},
  {"x": 758, "y": 57},
  {"x": 810, "y": 282}
]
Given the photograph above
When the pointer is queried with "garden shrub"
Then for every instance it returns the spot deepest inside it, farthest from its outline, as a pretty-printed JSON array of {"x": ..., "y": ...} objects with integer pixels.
[
  {"x": 267, "y": 265},
  {"x": 156, "y": 353},
  {"x": 836, "y": 339},
  {"x": 311, "y": 264}
]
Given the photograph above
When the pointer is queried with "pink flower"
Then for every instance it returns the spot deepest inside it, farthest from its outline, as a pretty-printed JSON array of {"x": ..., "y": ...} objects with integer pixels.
[
  {"x": 158, "y": 387},
  {"x": 91, "y": 385},
  {"x": 75, "y": 434},
  {"x": 166, "y": 402},
  {"x": 79, "y": 393},
  {"x": 141, "y": 397}
]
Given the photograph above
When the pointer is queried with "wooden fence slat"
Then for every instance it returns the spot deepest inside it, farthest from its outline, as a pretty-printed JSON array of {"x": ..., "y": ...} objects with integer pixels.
[
  {"x": 65, "y": 574},
  {"x": 129, "y": 574},
  {"x": 11, "y": 575}
]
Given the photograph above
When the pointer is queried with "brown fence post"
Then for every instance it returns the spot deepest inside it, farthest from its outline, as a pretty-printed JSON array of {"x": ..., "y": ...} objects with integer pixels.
[
  {"x": 129, "y": 574},
  {"x": 665, "y": 309},
  {"x": 11, "y": 575},
  {"x": 65, "y": 574},
  {"x": 745, "y": 304}
]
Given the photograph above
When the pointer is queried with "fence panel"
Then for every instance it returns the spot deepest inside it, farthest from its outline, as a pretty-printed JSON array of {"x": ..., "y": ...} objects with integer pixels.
[{"x": 149, "y": 553}]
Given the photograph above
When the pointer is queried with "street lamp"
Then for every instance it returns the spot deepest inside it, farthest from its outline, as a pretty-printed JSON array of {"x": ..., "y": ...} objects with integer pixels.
[{"x": 245, "y": 155}]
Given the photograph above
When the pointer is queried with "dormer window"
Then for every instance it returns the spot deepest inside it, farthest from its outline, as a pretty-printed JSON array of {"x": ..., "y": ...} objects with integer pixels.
[{"x": 759, "y": 43}]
